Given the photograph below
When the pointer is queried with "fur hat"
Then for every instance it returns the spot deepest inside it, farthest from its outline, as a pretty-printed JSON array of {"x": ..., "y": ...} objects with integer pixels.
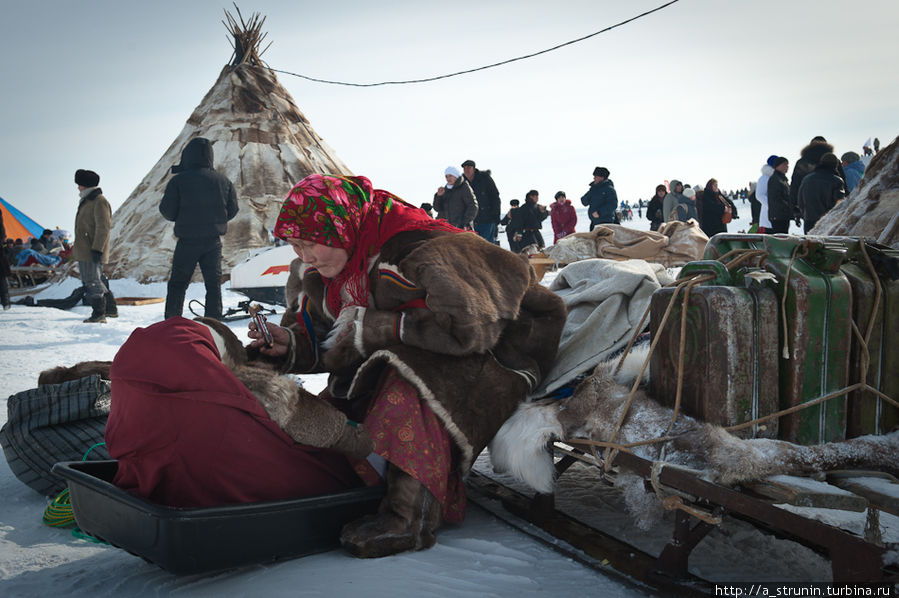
[
  {"x": 771, "y": 159},
  {"x": 601, "y": 171},
  {"x": 778, "y": 161},
  {"x": 829, "y": 160},
  {"x": 850, "y": 157},
  {"x": 87, "y": 178},
  {"x": 468, "y": 163},
  {"x": 453, "y": 171}
]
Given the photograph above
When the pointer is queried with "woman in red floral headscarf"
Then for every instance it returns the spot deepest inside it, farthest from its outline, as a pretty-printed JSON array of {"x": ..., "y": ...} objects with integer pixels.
[{"x": 432, "y": 337}]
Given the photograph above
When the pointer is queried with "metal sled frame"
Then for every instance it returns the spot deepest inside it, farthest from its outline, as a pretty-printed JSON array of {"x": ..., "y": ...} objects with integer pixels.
[{"x": 853, "y": 559}]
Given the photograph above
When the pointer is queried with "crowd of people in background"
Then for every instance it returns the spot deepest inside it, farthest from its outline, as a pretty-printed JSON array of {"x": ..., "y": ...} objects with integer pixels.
[
  {"x": 470, "y": 200},
  {"x": 819, "y": 180}
]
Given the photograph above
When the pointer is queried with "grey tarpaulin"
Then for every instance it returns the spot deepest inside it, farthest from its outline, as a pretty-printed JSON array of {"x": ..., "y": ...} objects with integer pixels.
[
  {"x": 606, "y": 300},
  {"x": 52, "y": 423}
]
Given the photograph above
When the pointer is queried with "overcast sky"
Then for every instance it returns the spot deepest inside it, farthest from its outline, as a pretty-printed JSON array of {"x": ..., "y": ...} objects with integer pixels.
[{"x": 703, "y": 88}]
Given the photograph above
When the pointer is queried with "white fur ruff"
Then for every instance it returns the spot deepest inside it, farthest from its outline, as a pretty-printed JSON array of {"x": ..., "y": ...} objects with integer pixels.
[
  {"x": 519, "y": 448},
  {"x": 348, "y": 322}
]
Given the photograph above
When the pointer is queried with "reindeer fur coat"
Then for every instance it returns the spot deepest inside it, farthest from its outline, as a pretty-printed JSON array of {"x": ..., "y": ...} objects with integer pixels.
[{"x": 465, "y": 322}]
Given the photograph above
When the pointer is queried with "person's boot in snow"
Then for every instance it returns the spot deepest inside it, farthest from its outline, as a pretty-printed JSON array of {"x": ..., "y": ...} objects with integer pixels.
[
  {"x": 406, "y": 520},
  {"x": 112, "y": 310},
  {"x": 98, "y": 315}
]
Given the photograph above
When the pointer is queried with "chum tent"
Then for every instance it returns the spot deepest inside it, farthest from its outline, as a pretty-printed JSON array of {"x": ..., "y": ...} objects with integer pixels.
[
  {"x": 261, "y": 142},
  {"x": 17, "y": 224}
]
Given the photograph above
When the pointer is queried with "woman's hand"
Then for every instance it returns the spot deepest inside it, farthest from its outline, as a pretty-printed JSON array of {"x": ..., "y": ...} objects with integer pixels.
[{"x": 280, "y": 340}]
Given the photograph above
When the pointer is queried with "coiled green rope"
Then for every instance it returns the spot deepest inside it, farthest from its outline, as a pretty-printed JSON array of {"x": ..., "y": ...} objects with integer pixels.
[{"x": 59, "y": 512}]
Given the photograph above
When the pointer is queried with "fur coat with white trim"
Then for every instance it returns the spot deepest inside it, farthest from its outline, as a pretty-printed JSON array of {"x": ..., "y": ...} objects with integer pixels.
[{"x": 465, "y": 322}]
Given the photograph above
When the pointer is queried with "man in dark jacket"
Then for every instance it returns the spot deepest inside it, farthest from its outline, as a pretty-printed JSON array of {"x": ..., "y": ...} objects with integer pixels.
[
  {"x": 512, "y": 221},
  {"x": 780, "y": 209},
  {"x": 820, "y": 190},
  {"x": 487, "y": 195},
  {"x": 601, "y": 199},
  {"x": 809, "y": 158},
  {"x": 532, "y": 217},
  {"x": 200, "y": 201}
]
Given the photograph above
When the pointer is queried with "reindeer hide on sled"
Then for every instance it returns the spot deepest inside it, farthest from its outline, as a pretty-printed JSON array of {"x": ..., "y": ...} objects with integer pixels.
[{"x": 592, "y": 412}]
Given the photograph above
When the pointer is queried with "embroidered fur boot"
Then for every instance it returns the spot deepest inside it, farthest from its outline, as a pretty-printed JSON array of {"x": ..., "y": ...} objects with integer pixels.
[{"x": 406, "y": 520}]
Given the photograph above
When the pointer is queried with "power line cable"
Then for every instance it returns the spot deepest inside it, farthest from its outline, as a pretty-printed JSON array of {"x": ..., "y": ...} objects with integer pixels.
[{"x": 481, "y": 68}]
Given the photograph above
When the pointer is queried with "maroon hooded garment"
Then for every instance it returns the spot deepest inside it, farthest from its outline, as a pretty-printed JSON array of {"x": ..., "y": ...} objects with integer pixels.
[{"x": 187, "y": 433}]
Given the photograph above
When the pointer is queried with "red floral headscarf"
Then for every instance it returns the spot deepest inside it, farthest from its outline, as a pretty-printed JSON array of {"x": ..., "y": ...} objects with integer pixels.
[{"x": 347, "y": 212}]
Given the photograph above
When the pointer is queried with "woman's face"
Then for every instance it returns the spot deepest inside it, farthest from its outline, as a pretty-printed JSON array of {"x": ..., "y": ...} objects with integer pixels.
[
  {"x": 450, "y": 179},
  {"x": 660, "y": 193},
  {"x": 714, "y": 186},
  {"x": 329, "y": 261}
]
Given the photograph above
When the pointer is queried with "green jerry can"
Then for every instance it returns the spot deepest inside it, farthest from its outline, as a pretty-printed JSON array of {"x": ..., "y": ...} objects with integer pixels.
[
  {"x": 868, "y": 413},
  {"x": 730, "y": 350},
  {"x": 814, "y": 325}
]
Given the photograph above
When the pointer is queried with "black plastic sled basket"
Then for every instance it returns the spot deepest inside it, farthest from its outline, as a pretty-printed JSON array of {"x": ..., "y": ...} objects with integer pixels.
[{"x": 196, "y": 540}]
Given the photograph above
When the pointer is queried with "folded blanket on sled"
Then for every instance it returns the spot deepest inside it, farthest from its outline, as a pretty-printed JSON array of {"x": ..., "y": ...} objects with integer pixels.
[{"x": 606, "y": 300}]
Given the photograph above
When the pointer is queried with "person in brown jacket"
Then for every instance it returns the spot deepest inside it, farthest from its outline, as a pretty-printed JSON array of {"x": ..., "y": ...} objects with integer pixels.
[
  {"x": 432, "y": 337},
  {"x": 93, "y": 222}
]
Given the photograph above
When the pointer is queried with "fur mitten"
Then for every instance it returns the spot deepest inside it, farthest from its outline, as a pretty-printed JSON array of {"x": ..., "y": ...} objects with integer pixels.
[
  {"x": 357, "y": 333},
  {"x": 354, "y": 442},
  {"x": 308, "y": 419},
  {"x": 343, "y": 347}
]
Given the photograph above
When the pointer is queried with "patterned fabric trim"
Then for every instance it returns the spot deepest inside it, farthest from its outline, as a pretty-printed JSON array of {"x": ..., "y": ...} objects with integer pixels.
[{"x": 392, "y": 275}]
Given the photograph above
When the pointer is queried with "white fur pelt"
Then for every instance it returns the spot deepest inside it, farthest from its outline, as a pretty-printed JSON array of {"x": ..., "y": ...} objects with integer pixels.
[{"x": 520, "y": 447}]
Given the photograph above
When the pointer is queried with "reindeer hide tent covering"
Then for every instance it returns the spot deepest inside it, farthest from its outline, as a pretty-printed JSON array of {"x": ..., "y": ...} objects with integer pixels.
[{"x": 261, "y": 142}]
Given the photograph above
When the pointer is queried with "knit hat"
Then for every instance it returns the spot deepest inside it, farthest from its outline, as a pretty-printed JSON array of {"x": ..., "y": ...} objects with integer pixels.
[
  {"x": 453, "y": 171},
  {"x": 601, "y": 171},
  {"x": 87, "y": 178},
  {"x": 778, "y": 161},
  {"x": 468, "y": 163},
  {"x": 771, "y": 159},
  {"x": 689, "y": 192},
  {"x": 850, "y": 157}
]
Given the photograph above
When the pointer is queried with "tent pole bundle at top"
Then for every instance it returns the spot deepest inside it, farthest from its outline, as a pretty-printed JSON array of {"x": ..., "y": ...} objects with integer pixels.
[{"x": 17, "y": 224}]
